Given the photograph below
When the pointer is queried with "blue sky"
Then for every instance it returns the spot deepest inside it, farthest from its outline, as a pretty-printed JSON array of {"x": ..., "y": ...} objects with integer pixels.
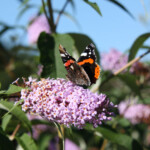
[{"x": 115, "y": 29}]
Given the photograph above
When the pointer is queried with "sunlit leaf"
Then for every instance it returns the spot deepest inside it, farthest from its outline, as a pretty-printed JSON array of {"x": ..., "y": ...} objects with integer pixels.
[
  {"x": 137, "y": 45},
  {"x": 94, "y": 6},
  {"x": 26, "y": 142}
]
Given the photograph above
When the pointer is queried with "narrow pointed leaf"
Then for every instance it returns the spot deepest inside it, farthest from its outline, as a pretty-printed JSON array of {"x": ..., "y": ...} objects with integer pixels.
[
  {"x": 137, "y": 45},
  {"x": 122, "y": 7},
  {"x": 94, "y": 6},
  {"x": 25, "y": 9}
]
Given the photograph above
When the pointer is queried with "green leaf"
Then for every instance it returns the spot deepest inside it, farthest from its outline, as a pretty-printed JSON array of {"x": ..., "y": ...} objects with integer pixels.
[
  {"x": 46, "y": 46},
  {"x": 2, "y": 92},
  {"x": 6, "y": 121},
  {"x": 137, "y": 45},
  {"x": 50, "y": 56},
  {"x": 14, "y": 106},
  {"x": 123, "y": 122},
  {"x": 120, "y": 139},
  {"x": 94, "y": 6},
  {"x": 13, "y": 89},
  {"x": 5, "y": 143},
  {"x": 44, "y": 141},
  {"x": 146, "y": 100},
  {"x": 122, "y": 7},
  {"x": 26, "y": 142},
  {"x": 130, "y": 81},
  {"x": 17, "y": 112},
  {"x": 81, "y": 41}
]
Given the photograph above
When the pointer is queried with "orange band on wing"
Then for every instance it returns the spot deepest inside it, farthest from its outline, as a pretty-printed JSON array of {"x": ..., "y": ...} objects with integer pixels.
[
  {"x": 68, "y": 63},
  {"x": 97, "y": 71},
  {"x": 89, "y": 60}
]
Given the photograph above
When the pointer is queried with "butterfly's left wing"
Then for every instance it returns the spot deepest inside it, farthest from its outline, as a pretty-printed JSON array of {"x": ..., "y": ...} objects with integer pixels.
[
  {"x": 66, "y": 57},
  {"x": 87, "y": 60}
]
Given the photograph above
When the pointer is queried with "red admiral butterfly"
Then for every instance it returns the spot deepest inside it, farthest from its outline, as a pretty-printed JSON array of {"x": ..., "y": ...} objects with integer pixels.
[{"x": 83, "y": 72}]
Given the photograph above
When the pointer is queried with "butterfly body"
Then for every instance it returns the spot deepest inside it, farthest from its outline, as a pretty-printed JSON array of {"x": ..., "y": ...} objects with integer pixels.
[{"x": 83, "y": 72}]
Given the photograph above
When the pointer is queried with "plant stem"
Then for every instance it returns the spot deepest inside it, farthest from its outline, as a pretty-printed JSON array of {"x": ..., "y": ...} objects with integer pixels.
[
  {"x": 61, "y": 136},
  {"x": 52, "y": 25},
  {"x": 14, "y": 133},
  {"x": 43, "y": 4},
  {"x": 60, "y": 13},
  {"x": 104, "y": 144}
]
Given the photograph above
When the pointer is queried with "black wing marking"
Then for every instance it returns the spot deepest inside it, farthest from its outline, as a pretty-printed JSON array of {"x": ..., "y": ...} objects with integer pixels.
[
  {"x": 87, "y": 61},
  {"x": 65, "y": 55},
  {"x": 89, "y": 52}
]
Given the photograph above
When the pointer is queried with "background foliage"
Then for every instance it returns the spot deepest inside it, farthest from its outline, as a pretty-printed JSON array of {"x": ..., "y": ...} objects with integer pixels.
[{"x": 19, "y": 60}]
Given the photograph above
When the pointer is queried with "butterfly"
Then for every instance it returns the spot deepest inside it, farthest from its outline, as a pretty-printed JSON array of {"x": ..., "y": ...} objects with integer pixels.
[{"x": 85, "y": 71}]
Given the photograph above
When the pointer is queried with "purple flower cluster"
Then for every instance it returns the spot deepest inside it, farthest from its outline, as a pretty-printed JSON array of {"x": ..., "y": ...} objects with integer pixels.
[
  {"x": 66, "y": 103},
  {"x": 38, "y": 25},
  {"x": 113, "y": 61},
  {"x": 135, "y": 113}
]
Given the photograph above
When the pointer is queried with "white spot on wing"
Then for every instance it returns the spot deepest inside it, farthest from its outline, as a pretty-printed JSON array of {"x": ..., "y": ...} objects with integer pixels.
[
  {"x": 62, "y": 55},
  {"x": 84, "y": 54},
  {"x": 72, "y": 67}
]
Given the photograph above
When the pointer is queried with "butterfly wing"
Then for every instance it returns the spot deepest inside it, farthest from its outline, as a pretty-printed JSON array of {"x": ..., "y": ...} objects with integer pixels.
[
  {"x": 76, "y": 73},
  {"x": 87, "y": 60},
  {"x": 66, "y": 57}
]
